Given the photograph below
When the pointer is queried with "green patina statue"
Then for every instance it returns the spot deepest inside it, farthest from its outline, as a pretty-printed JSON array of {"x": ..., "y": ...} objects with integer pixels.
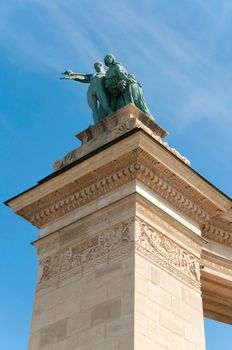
[
  {"x": 110, "y": 90},
  {"x": 122, "y": 87},
  {"x": 96, "y": 94}
]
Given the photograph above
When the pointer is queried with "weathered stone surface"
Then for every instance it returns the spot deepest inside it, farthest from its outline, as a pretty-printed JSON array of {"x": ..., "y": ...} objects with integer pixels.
[
  {"x": 53, "y": 333},
  {"x": 106, "y": 311}
]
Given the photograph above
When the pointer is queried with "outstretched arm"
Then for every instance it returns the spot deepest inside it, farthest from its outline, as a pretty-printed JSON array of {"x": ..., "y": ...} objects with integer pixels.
[{"x": 83, "y": 78}]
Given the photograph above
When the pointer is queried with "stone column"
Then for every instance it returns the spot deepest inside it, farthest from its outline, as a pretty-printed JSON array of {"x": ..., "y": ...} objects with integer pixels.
[
  {"x": 120, "y": 242},
  {"x": 168, "y": 302},
  {"x": 84, "y": 297}
]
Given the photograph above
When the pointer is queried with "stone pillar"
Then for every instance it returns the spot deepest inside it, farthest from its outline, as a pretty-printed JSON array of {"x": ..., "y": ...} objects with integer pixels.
[
  {"x": 120, "y": 242},
  {"x": 168, "y": 303},
  {"x": 84, "y": 297}
]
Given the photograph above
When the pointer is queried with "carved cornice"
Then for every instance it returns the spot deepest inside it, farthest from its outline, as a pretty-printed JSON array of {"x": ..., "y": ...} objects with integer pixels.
[
  {"x": 216, "y": 263},
  {"x": 76, "y": 199},
  {"x": 134, "y": 165},
  {"x": 167, "y": 254},
  {"x": 220, "y": 232},
  {"x": 177, "y": 182},
  {"x": 170, "y": 193},
  {"x": 216, "y": 284},
  {"x": 222, "y": 223}
]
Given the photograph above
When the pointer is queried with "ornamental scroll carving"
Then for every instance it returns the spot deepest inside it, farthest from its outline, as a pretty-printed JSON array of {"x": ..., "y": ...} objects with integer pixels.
[
  {"x": 167, "y": 254},
  {"x": 85, "y": 255}
]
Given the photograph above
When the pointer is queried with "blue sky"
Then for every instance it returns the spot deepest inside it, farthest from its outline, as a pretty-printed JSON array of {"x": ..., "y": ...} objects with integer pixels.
[{"x": 181, "y": 53}]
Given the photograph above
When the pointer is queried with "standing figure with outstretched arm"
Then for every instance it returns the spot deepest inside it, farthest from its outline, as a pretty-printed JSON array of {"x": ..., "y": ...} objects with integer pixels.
[{"x": 96, "y": 95}]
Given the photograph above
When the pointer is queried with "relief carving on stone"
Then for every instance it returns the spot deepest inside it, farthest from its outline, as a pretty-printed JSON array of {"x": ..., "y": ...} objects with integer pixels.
[
  {"x": 109, "y": 244},
  {"x": 166, "y": 253},
  {"x": 85, "y": 255},
  {"x": 162, "y": 223}
]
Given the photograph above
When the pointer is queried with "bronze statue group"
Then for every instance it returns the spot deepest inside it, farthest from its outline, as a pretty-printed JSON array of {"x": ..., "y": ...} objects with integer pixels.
[{"x": 111, "y": 89}]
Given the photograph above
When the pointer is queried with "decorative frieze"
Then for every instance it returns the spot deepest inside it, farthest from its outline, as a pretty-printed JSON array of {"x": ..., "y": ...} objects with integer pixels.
[
  {"x": 146, "y": 211},
  {"x": 166, "y": 253},
  {"x": 84, "y": 255}
]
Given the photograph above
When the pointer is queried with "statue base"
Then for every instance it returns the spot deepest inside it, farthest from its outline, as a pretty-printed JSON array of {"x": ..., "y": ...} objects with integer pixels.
[{"x": 116, "y": 125}]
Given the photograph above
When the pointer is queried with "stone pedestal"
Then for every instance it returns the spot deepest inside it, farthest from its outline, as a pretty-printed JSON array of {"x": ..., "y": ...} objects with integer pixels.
[{"x": 124, "y": 230}]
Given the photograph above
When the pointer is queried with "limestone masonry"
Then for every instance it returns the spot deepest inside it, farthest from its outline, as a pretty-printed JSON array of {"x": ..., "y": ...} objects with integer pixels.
[{"x": 134, "y": 246}]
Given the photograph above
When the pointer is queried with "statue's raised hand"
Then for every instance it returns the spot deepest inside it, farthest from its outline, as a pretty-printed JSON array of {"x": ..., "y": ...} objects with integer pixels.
[{"x": 68, "y": 74}]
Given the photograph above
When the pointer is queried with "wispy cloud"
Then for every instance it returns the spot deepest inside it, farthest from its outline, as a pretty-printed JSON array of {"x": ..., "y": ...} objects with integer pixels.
[
  {"x": 220, "y": 12},
  {"x": 182, "y": 50}
]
